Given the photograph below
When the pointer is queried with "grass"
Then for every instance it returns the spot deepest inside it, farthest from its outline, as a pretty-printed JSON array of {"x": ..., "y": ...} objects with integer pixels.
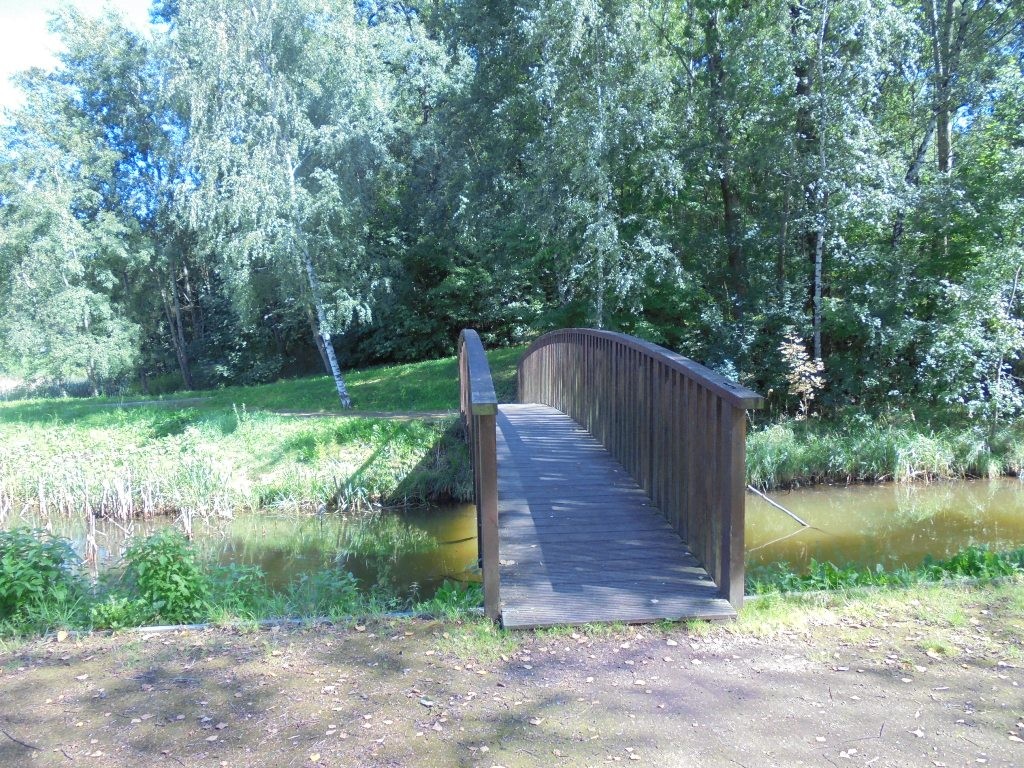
[
  {"x": 231, "y": 452},
  {"x": 970, "y": 562},
  {"x": 859, "y": 448}
]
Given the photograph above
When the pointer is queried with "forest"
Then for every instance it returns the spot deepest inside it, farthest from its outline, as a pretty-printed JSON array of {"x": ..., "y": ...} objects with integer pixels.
[{"x": 823, "y": 199}]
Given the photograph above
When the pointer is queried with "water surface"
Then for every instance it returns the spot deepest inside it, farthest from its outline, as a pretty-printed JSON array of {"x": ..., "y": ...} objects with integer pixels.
[
  {"x": 411, "y": 552},
  {"x": 889, "y": 524}
]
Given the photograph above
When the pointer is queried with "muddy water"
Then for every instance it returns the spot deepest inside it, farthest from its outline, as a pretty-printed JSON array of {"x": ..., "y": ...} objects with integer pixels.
[
  {"x": 889, "y": 524},
  {"x": 408, "y": 553},
  {"x": 413, "y": 552}
]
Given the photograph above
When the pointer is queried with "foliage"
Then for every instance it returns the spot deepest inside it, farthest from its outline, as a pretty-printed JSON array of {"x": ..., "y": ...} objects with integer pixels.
[
  {"x": 38, "y": 571},
  {"x": 163, "y": 570},
  {"x": 855, "y": 447},
  {"x": 971, "y": 562},
  {"x": 258, "y": 189},
  {"x": 329, "y": 592},
  {"x": 452, "y": 600},
  {"x": 803, "y": 375}
]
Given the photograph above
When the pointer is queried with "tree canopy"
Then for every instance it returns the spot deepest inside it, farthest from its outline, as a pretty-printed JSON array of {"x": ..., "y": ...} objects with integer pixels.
[{"x": 262, "y": 188}]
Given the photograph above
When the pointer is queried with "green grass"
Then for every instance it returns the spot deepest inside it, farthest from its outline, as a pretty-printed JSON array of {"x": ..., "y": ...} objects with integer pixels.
[
  {"x": 230, "y": 452},
  {"x": 971, "y": 562},
  {"x": 866, "y": 449}
]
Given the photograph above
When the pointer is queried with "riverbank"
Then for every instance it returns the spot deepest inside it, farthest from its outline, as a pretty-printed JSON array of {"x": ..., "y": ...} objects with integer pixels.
[
  {"x": 894, "y": 447},
  {"x": 926, "y": 677},
  {"x": 230, "y": 450},
  {"x": 285, "y": 447}
]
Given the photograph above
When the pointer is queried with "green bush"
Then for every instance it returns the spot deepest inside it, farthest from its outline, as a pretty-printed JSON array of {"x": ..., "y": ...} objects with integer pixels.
[
  {"x": 453, "y": 599},
  {"x": 323, "y": 593},
  {"x": 38, "y": 575},
  {"x": 239, "y": 590},
  {"x": 163, "y": 570},
  {"x": 119, "y": 612}
]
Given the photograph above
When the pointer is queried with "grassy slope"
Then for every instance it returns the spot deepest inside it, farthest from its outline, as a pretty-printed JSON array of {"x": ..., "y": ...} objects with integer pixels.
[{"x": 228, "y": 451}]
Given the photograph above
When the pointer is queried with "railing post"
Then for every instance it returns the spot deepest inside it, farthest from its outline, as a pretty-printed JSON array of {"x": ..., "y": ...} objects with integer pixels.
[
  {"x": 487, "y": 511},
  {"x": 479, "y": 408},
  {"x": 733, "y": 499}
]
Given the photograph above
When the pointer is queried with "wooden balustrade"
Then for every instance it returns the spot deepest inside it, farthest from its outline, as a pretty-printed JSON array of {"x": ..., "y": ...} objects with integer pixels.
[
  {"x": 677, "y": 427},
  {"x": 479, "y": 407}
]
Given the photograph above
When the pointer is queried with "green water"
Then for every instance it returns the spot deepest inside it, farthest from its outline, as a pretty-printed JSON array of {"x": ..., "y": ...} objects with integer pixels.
[
  {"x": 406, "y": 553},
  {"x": 410, "y": 553},
  {"x": 889, "y": 524}
]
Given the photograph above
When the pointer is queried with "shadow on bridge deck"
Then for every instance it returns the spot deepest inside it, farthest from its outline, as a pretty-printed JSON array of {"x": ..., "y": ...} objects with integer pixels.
[{"x": 579, "y": 540}]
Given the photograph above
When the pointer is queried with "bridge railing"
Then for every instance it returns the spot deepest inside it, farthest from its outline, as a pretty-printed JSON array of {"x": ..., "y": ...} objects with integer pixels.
[
  {"x": 677, "y": 427},
  {"x": 479, "y": 407}
]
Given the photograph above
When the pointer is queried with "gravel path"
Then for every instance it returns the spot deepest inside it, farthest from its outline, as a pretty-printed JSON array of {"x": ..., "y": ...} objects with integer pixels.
[{"x": 929, "y": 681}]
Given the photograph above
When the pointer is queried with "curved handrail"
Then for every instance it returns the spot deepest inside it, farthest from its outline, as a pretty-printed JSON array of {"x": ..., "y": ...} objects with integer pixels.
[
  {"x": 477, "y": 388},
  {"x": 736, "y": 394},
  {"x": 478, "y": 406},
  {"x": 677, "y": 427}
]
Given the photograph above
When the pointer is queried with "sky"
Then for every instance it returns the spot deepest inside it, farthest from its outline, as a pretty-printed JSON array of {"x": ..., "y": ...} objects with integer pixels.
[{"x": 25, "y": 41}]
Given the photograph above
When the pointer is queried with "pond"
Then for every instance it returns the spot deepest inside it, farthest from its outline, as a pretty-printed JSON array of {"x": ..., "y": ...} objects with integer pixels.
[
  {"x": 411, "y": 552},
  {"x": 408, "y": 553},
  {"x": 891, "y": 524}
]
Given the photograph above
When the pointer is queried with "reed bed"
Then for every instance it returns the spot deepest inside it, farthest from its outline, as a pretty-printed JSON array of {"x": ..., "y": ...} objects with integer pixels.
[
  {"x": 211, "y": 462},
  {"x": 872, "y": 450}
]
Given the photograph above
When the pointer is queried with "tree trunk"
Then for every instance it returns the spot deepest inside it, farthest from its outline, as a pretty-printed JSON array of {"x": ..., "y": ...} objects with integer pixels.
[
  {"x": 736, "y": 262},
  {"x": 806, "y": 142},
  {"x": 821, "y": 188},
  {"x": 780, "y": 257},
  {"x": 322, "y": 326},
  {"x": 172, "y": 308},
  {"x": 311, "y": 316},
  {"x": 947, "y": 39},
  {"x": 913, "y": 179}
]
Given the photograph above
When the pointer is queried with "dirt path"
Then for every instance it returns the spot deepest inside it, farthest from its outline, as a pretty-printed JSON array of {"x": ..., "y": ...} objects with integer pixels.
[{"x": 923, "y": 682}]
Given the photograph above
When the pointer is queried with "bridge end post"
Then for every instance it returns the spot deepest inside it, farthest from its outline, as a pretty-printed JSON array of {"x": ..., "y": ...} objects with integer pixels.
[
  {"x": 479, "y": 408},
  {"x": 732, "y": 574},
  {"x": 487, "y": 461}
]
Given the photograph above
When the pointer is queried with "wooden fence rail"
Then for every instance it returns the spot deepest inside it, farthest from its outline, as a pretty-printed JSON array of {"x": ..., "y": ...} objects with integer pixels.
[
  {"x": 677, "y": 427},
  {"x": 479, "y": 407}
]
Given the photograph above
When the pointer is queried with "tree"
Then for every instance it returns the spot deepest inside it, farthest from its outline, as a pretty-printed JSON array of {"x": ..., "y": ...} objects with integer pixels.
[{"x": 288, "y": 114}]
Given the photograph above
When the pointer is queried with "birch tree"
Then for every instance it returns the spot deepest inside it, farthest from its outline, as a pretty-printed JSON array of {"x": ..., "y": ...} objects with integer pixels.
[{"x": 288, "y": 121}]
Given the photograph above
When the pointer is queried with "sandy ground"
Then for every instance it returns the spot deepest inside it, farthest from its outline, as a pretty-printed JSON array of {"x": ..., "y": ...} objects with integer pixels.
[{"x": 913, "y": 682}]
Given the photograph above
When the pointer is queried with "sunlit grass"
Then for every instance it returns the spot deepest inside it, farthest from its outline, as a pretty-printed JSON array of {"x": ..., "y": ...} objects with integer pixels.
[
  {"x": 872, "y": 449},
  {"x": 231, "y": 452}
]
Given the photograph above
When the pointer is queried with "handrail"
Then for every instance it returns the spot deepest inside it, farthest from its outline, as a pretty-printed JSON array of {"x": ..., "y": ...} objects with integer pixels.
[
  {"x": 478, "y": 407},
  {"x": 677, "y": 427}
]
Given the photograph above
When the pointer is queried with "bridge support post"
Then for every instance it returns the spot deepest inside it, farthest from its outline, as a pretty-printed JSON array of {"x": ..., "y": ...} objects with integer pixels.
[
  {"x": 487, "y": 502},
  {"x": 733, "y": 495}
]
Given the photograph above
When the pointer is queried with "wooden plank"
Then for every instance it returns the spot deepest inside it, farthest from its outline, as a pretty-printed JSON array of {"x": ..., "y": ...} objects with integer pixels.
[{"x": 578, "y": 538}]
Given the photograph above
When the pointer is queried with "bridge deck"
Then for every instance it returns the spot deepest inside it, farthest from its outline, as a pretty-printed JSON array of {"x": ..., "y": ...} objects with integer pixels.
[{"x": 579, "y": 540}]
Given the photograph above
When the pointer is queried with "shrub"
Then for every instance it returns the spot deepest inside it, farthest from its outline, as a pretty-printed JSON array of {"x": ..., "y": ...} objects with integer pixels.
[
  {"x": 163, "y": 570},
  {"x": 323, "y": 593},
  {"x": 37, "y": 571},
  {"x": 453, "y": 599},
  {"x": 119, "y": 613}
]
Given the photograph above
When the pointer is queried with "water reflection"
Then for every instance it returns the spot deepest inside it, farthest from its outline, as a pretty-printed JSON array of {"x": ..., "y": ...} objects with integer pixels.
[
  {"x": 412, "y": 552},
  {"x": 889, "y": 524},
  {"x": 407, "y": 553}
]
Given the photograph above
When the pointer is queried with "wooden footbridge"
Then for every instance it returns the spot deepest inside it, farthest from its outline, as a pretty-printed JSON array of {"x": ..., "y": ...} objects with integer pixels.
[{"x": 614, "y": 489}]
